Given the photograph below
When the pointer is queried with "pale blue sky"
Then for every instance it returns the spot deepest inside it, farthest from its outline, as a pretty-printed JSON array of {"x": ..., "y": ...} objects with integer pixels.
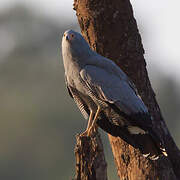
[{"x": 159, "y": 19}]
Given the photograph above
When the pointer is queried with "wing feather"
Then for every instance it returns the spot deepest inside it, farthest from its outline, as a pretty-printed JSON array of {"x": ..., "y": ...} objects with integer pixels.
[
  {"x": 112, "y": 89},
  {"x": 79, "y": 102}
]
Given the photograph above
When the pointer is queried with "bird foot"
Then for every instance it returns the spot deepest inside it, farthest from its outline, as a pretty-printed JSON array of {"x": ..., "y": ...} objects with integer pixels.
[
  {"x": 92, "y": 130},
  {"x": 85, "y": 133},
  {"x": 89, "y": 132}
]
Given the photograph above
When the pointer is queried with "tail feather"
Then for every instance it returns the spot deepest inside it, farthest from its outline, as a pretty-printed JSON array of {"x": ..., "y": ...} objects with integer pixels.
[{"x": 145, "y": 142}]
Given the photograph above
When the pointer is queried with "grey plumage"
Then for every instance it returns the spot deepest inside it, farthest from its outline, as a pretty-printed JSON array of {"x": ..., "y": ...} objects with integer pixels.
[
  {"x": 99, "y": 87},
  {"x": 79, "y": 102}
]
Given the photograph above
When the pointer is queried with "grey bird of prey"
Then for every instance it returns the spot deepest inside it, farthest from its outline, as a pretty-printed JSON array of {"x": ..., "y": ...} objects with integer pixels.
[{"x": 106, "y": 96}]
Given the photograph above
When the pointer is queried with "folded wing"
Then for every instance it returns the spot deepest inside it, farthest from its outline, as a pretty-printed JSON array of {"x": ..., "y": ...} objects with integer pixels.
[{"x": 109, "y": 88}]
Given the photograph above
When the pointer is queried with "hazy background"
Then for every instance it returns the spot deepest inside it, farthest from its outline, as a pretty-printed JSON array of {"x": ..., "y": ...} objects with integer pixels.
[{"x": 39, "y": 121}]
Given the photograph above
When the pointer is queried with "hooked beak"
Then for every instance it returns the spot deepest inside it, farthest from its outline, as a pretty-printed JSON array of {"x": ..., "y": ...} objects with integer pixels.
[{"x": 66, "y": 37}]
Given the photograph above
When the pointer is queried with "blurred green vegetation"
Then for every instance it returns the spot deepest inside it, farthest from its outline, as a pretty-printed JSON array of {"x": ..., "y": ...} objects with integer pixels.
[{"x": 39, "y": 120}]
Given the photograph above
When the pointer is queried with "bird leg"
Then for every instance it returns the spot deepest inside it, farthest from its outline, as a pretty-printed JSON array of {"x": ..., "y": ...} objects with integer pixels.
[
  {"x": 85, "y": 133},
  {"x": 94, "y": 126}
]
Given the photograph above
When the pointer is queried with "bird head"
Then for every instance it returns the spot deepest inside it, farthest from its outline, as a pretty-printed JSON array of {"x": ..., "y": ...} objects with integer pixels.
[
  {"x": 74, "y": 44},
  {"x": 70, "y": 35},
  {"x": 73, "y": 38}
]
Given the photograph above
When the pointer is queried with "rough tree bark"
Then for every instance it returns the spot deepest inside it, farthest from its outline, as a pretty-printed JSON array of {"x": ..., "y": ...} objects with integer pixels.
[
  {"x": 111, "y": 29},
  {"x": 90, "y": 160}
]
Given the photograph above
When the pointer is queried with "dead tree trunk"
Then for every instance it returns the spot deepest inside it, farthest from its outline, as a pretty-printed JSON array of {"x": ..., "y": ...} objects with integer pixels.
[
  {"x": 90, "y": 160},
  {"x": 111, "y": 30}
]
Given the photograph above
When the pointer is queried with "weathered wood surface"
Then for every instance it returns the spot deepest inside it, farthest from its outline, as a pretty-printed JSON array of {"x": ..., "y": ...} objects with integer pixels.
[{"x": 90, "y": 160}]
